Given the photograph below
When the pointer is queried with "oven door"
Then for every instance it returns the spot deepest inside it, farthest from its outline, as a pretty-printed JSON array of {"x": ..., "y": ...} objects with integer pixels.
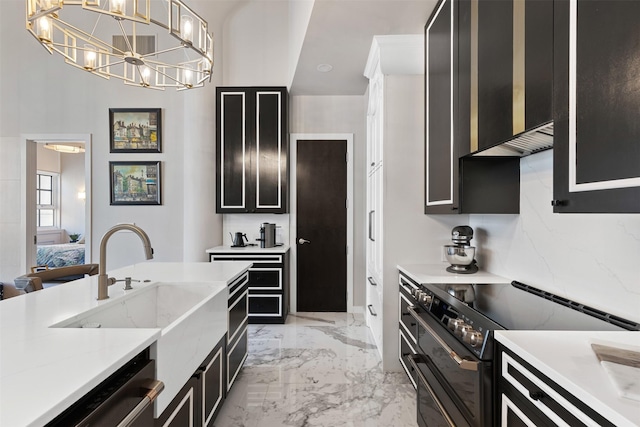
[
  {"x": 464, "y": 378},
  {"x": 435, "y": 408}
]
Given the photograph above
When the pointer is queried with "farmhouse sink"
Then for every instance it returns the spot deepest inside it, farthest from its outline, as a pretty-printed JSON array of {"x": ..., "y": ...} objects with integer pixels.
[
  {"x": 192, "y": 318},
  {"x": 159, "y": 305}
]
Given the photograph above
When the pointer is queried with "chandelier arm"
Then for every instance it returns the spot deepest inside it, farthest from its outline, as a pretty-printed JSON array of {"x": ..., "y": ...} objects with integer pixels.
[
  {"x": 162, "y": 51},
  {"x": 108, "y": 65},
  {"x": 165, "y": 74},
  {"x": 124, "y": 35}
]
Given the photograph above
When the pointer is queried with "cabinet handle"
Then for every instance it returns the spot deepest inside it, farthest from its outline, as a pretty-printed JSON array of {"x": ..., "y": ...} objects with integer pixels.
[
  {"x": 536, "y": 395},
  {"x": 454, "y": 208},
  {"x": 558, "y": 202},
  {"x": 371, "y": 281},
  {"x": 371, "y": 226},
  {"x": 406, "y": 314},
  {"x": 405, "y": 354},
  {"x": 370, "y": 307}
]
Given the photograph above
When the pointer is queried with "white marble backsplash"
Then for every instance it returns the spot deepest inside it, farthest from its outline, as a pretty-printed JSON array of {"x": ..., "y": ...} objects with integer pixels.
[
  {"x": 250, "y": 225},
  {"x": 589, "y": 258}
]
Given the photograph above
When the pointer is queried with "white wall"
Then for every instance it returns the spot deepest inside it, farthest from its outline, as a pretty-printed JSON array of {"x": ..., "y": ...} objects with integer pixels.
[
  {"x": 71, "y": 182},
  {"x": 256, "y": 44},
  {"x": 341, "y": 114},
  {"x": 589, "y": 258}
]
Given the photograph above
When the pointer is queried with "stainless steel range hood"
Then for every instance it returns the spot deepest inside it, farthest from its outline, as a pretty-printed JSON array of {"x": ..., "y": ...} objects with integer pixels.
[{"x": 526, "y": 143}]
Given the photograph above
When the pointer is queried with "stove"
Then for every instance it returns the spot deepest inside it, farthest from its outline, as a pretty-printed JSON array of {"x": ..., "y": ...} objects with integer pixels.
[{"x": 455, "y": 348}]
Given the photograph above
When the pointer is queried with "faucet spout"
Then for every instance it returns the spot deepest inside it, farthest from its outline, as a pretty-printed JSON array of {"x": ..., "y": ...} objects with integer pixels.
[{"x": 103, "y": 280}]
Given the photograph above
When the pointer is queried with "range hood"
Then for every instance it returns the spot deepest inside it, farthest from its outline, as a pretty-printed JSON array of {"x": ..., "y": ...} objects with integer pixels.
[{"x": 523, "y": 144}]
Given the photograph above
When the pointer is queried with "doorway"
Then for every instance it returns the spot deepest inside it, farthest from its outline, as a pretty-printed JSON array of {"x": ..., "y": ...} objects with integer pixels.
[
  {"x": 79, "y": 194},
  {"x": 321, "y": 222}
]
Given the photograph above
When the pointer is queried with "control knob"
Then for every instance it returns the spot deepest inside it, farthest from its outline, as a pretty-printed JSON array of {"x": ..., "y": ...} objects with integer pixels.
[
  {"x": 454, "y": 324},
  {"x": 475, "y": 339},
  {"x": 426, "y": 298},
  {"x": 463, "y": 329}
]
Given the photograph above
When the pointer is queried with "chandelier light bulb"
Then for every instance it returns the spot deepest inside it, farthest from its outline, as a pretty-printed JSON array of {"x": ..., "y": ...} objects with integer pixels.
[
  {"x": 89, "y": 57},
  {"x": 186, "y": 28},
  {"x": 116, "y": 6},
  {"x": 146, "y": 72},
  {"x": 188, "y": 76},
  {"x": 44, "y": 29}
]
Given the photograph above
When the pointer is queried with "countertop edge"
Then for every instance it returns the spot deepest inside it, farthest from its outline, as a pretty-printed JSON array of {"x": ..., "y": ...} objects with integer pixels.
[{"x": 437, "y": 273}]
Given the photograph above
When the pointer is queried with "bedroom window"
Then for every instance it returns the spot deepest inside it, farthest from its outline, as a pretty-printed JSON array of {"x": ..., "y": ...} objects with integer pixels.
[{"x": 46, "y": 197}]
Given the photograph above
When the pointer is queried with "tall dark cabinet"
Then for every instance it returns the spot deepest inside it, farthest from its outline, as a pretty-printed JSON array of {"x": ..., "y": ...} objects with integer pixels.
[
  {"x": 596, "y": 104},
  {"x": 252, "y": 150}
]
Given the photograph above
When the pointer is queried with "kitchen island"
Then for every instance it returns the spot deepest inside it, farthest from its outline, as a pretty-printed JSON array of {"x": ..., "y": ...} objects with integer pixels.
[{"x": 44, "y": 370}]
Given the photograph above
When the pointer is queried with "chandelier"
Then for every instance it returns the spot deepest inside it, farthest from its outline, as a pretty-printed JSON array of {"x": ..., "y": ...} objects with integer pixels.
[{"x": 116, "y": 38}]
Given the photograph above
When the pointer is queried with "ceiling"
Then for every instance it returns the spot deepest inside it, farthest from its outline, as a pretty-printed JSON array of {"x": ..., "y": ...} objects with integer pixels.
[{"x": 340, "y": 34}]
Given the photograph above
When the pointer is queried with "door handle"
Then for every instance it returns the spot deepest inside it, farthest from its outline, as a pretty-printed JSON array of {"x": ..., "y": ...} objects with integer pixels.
[
  {"x": 371, "y": 237},
  {"x": 303, "y": 241}
]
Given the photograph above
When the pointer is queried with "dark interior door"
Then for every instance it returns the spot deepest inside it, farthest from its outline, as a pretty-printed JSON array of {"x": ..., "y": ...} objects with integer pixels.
[{"x": 321, "y": 225}]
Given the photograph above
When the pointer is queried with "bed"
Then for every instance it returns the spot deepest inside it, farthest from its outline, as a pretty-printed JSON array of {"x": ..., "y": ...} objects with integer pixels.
[{"x": 60, "y": 255}]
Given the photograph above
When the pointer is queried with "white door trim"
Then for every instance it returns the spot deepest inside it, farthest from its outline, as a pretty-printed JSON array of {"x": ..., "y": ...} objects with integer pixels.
[
  {"x": 293, "y": 150},
  {"x": 27, "y": 198}
]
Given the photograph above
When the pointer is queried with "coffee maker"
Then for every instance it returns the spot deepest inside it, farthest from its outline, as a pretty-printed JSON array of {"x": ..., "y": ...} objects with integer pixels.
[
  {"x": 267, "y": 235},
  {"x": 461, "y": 254}
]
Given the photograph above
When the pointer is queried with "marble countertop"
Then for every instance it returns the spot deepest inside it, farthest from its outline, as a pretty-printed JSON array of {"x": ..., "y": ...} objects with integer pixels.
[
  {"x": 437, "y": 273},
  {"x": 249, "y": 249},
  {"x": 44, "y": 370},
  {"x": 567, "y": 358}
]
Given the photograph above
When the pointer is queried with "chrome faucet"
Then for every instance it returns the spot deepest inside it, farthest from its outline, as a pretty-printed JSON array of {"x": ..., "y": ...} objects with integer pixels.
[{"x": 103, "y": 280}]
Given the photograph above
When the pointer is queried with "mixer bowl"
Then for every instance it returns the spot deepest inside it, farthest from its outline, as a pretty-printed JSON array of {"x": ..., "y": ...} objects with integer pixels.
[{"x": 459, "y": 255}]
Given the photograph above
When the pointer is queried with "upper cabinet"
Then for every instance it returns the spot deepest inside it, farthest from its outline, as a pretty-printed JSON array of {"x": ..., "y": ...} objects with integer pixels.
[
  {"x": 454, "y": 182},
  {"x": 596, "y": 104},
  {"x": 252, "y": 150}
]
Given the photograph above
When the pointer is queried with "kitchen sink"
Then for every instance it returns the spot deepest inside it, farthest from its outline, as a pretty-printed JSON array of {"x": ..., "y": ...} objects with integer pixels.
[
  {"x": 159, "y": 305},
  {"x": 192, "y": 318}
]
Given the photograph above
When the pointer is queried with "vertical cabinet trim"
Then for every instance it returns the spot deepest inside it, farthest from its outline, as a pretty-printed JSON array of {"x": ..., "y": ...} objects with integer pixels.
[
  {"x": 258, "y": 203},
  {"x": 244, "y": 149},
  {"x": 430, "y": 202}
]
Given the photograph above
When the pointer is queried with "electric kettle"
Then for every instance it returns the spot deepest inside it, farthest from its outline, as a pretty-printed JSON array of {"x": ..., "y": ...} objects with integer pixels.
[{"x": 238, "y": 241}]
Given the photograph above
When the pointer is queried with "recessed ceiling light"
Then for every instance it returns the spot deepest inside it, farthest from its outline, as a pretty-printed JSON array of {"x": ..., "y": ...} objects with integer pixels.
[{"x": 324, "y": 68}]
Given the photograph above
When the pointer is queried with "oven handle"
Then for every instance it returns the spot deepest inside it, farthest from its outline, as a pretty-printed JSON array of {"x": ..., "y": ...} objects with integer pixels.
[
  {"x": 468, "y": 365},
  {"x": 150, "y": 396},
  {"x": 423, "y": 380}
]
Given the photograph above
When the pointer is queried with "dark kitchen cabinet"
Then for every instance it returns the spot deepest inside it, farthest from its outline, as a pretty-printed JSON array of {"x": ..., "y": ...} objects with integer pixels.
[
  {"x": 454, "y": 182},
  {"x": 268, "y": 284},
  {"x": 252, "y": 150},
  {"x": 529, "y": 398},
  {"x": 596, "y": 154},
  {"x": 441, "y": 107},
  {"x": 200, "y": 399}
]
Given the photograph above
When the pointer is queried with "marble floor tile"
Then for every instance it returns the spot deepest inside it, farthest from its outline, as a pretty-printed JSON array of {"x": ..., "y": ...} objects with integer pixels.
[{"x": 318, "y": 369}]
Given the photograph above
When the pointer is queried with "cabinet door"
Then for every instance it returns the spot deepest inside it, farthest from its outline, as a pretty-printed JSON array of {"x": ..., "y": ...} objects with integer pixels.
[
  {"x": 233, "y": 142},
  {"x": 270, "y": 151},
  {"x": 181, "y": 412},
  {"x": 596, "y": 102},
  {"x": 441, "y": 170},
  {"x": 212, "y": 385}
]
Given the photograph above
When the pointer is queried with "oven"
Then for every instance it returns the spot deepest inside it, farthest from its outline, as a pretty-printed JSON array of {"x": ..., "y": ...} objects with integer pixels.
[
  {"x": 454, "y": 358},
  {"x": 454, "y": 385}
]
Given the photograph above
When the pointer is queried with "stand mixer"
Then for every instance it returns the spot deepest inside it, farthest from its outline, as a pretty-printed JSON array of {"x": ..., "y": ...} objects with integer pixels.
[{"x": 461, "y": 255}]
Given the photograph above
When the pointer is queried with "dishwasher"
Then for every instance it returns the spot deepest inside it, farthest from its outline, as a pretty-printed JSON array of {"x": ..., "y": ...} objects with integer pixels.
[{"x": 125, "y": 399}]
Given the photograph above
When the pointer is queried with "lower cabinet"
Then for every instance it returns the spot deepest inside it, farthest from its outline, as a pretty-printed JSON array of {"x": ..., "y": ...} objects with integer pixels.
[
  {"x": 198, "y": 402},
  {"x": 529, "y": 398},
  {"x": 268, "y": 299},
  {"x": 408, "y": 333}
]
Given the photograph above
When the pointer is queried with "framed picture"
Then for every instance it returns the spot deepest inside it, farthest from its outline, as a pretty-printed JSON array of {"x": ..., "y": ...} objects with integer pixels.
[
  {"x": 135, "y": 130},
  {"x": 135, "y": 183}
]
